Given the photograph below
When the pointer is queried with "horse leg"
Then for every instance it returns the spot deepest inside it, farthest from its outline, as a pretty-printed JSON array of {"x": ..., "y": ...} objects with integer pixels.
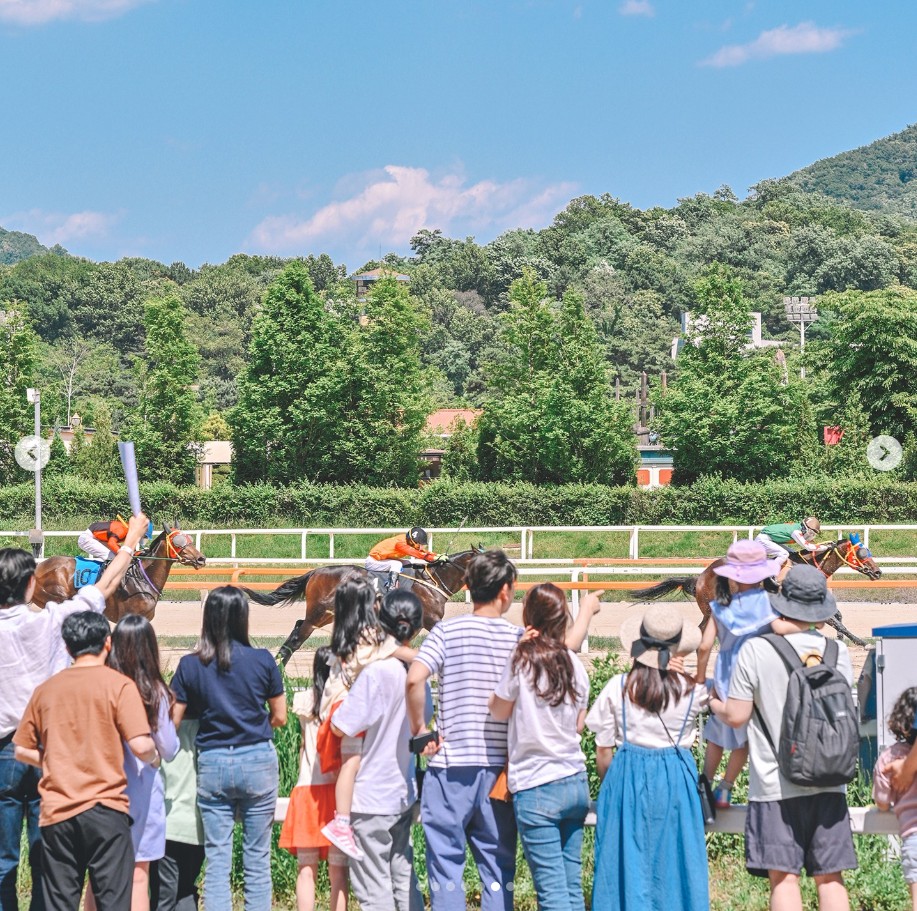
[
  {"x": 838, "y": 623},
  {"x": 301, "y": 631}
]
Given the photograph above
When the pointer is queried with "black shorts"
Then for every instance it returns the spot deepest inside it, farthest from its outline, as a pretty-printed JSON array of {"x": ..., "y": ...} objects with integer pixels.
[{"x": 810, "y": 832}]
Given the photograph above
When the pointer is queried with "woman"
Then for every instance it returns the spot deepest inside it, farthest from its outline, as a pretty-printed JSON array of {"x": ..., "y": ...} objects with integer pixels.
[
  {"x": 135, "y": 653},
  {"x": 543, "y": 694},
  {"x": 226, "y": 682},
  {"x": 649, "y": 841}
]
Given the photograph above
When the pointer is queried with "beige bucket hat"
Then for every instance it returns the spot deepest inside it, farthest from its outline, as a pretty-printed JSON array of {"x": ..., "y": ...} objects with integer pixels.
[{"x": 659, "y": 634}]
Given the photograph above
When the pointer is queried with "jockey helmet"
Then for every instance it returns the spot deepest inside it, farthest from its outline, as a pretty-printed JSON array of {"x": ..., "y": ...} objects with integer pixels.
[
  {"x": 417, "y": 536},
  {"x": 813, "y": 524}
]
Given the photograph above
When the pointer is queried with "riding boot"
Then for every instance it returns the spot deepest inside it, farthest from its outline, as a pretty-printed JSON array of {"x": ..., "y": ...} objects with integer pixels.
[{"x": 392, "y": 582}]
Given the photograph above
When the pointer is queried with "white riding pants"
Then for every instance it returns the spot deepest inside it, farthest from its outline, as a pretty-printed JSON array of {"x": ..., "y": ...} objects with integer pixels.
[
  {"x": 774, "y": 550},
  {"x": 383, "y": 566},
  {"x": 95, "y": 548}
]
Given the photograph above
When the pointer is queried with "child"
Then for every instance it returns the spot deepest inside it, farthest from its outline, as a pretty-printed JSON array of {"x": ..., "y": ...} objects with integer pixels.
[
  {"x": 901, "y": 724},
  {"x": 312, "y": 802},
  {"x": 135, "y": 653},
  {"x": 649, "y": 838},
  {"x": 543, "y": 694},
  {"x": 741, "y": 610},
  {"x": 356, "y": 640},
  {"x": 385, "y": 793}
]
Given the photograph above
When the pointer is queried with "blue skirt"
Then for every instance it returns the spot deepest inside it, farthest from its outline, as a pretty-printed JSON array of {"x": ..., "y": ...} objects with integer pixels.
[{"x": 650, "y": 853}]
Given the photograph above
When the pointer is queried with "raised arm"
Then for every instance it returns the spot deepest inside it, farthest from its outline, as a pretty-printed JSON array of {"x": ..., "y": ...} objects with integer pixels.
[{"x": 589, "y": 606}]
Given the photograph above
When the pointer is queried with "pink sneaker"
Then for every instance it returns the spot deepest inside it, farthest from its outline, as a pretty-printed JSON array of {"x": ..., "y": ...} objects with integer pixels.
[{"x": 341, "y": 836}]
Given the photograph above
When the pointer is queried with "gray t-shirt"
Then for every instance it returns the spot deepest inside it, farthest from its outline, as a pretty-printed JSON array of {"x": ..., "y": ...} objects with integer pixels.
[{"x": 761, "y": 676}]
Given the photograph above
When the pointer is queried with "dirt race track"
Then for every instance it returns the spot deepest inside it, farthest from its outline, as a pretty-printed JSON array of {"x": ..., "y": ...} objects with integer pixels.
[{"x": 182, "y": 618}]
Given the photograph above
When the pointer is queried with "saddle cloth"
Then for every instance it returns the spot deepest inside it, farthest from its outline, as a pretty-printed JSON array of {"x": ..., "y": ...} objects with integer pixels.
[
  {"x": 379, "y": 580},
  {"x": 87, "y": 572}
]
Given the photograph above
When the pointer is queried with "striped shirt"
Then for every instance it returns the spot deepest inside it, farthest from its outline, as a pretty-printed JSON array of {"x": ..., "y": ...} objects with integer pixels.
[{"x": 468, "y": 655}]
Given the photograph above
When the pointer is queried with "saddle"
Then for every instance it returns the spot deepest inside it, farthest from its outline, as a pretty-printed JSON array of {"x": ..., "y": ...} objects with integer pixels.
[
  {"x": 382, "y": 581},
  {"x": 87, "y": 572}
]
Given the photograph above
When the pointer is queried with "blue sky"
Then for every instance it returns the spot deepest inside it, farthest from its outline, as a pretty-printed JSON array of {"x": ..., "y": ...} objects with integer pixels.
[{"x": 194, "y": 129}]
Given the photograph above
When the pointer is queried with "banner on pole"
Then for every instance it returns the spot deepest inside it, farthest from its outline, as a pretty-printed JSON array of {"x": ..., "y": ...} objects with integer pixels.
[{"x": 129, "y": 464}]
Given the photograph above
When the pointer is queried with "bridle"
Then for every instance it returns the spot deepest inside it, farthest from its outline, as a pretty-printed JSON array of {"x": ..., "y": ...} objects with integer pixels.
[
  {"x": 177, "y": 542},
  {"x": 849, "y": 557}
]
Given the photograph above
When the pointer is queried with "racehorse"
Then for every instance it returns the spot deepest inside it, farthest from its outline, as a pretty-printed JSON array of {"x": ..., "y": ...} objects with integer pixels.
[
  {"x": 142, "y": 584},
  {"x": 836, "y": 554},
  {"x": 434, "y": 585}
]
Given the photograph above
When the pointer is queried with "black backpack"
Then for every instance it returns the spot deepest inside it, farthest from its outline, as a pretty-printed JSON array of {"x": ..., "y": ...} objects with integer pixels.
[{"x": 819, "y": 735}]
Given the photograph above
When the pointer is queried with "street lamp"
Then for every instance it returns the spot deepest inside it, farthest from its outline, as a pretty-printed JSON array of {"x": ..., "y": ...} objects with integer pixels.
[
  {"x": 36, "y": 536},
  {"x": 801, "y": 311}
]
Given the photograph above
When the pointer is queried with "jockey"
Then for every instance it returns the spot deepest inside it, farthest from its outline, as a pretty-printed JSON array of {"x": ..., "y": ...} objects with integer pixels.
[
  {"x": 102, "y": 540},
  {"x": 388, "y": 556},
  {"x": 774, "y": 539}
]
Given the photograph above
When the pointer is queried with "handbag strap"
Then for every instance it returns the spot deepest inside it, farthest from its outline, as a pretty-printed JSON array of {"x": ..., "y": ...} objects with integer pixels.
[
  {"x": 678, "y": 752},
  {"x": 624, "y": 706}
]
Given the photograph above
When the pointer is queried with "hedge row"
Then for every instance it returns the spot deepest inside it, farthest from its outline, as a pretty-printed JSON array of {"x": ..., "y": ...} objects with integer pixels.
[{"x": 445, "y": 503}]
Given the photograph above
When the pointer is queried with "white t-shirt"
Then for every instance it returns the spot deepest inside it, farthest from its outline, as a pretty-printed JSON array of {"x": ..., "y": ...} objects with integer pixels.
[
  {"x": 645, "y": 729},
  {"x": 544, "y": 744},
  {"x": 468, "y": 654},
  {"x": 32, "y": 650},
  {"x": 375, "y": 704},
  {"x": 760, "y": 676},
  {"x": 310, "y": 767}
]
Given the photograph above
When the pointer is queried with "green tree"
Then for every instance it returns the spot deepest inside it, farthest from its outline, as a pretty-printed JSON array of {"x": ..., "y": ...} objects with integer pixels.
[
  {"x": 99, "y": 461},
  {"x": 59, "y": 459},
  {"x": 215, "y": 427},
  {"x": 18, "y": 360},
  {"x": 549, "y": 415},
  {"x": 872, "y": 351},
  {"x": 165, "y": 426},
  {"x": 288, "y": 424},
  {"x": 730, "y": 411},
  {"x": 388, "y": 398}
]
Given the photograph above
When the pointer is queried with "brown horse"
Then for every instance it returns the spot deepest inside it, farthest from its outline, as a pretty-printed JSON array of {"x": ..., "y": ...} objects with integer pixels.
[
  {"x": 142, "y": 584},
  {"x": 434, "y": 584},
  {"x": 837, "y": 554}
]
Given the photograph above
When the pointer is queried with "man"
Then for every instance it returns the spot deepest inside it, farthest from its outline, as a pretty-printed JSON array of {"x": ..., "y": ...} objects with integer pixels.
[
  {"x": 775, "y": 538},
  {"x": 31, "y": 650},
  {"x": 102, "y": 540},
  {"x": 388, "y": 555},
  {"x": 468, "y": 654},
  {"x": 789, "y": 826},
  {"x": 75, "y": 729}
]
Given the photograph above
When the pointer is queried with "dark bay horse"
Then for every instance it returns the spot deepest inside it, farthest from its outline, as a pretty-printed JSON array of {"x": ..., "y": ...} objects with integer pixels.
[
  {"x": 703, "y": 587},
  {"x": 434, "y": 584},
  {"x": 142, "y": 584}
]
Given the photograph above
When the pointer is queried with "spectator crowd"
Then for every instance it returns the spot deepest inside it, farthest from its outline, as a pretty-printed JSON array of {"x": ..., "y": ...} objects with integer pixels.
[{"x": 128, "y": 786}]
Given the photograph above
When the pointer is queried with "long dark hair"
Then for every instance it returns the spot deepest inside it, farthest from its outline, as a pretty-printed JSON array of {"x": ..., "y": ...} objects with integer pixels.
[
  {"x": 901, "y": 718},
  {"x": 401, "y": 614},
  {"x": 545, "y": 657},
  {"x": 135, "y": 653},
  {"x": 355, "y": 617},
  {"x": 225, "y": 622},
  {"x": 652, "y": 689},
  {"x": 321, "y": 668}
]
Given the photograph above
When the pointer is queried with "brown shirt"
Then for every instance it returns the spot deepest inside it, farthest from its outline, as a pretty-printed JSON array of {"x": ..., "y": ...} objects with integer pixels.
[{"x": 78, "y": 718}]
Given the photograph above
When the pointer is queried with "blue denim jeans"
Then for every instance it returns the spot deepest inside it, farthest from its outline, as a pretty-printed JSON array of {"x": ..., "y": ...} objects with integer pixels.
[
  {"x": 237, "y": 783},
  {"x": 18, "y": 803},
  {"x": 550, "y": 818}
]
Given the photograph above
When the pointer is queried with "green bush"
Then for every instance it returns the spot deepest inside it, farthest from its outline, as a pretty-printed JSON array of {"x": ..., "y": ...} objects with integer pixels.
[{"x": 449, "y": 503}]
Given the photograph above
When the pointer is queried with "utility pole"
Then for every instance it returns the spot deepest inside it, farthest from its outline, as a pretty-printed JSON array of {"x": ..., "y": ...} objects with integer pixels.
[
  {"x": 800, "y": 311},
  {"x": 36, "y": 536}
]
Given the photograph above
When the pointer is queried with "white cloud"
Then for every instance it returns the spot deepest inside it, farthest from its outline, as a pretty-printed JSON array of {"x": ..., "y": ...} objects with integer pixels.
[
  {"x": 61, "y": 228},
  {"x": 392, "y": 205},
  {"x": 38, "y": 12},
  {"x": 805, "y": 38},
  {"x": 636, "y": 8}
]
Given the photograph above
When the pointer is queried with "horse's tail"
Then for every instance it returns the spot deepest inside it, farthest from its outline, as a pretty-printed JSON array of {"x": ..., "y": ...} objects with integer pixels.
[
  {"x": 287, "y": 592},
  {"x": 688, "y": 584}
]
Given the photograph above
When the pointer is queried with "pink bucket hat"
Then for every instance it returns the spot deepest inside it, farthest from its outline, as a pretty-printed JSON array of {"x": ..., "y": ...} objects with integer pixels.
[{"x": 747, "y": 562}]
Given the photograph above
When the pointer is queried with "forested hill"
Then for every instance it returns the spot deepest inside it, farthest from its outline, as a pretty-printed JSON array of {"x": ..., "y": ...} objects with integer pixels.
[
  {"x": 16, "y": 246},
  {"x": 879, "y": 177}
]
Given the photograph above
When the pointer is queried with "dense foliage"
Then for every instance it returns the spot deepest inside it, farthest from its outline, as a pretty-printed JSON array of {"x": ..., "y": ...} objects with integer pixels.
[{"x": 536, "y": 328}]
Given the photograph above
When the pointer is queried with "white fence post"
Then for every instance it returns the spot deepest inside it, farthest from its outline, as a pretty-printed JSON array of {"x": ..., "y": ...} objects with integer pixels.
[
  {"x": 634, "y": 543},
  {"x": 232, "y": 546},
  {"x": 302, "y": 546},
  {"x": 331, "y": 546}
]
